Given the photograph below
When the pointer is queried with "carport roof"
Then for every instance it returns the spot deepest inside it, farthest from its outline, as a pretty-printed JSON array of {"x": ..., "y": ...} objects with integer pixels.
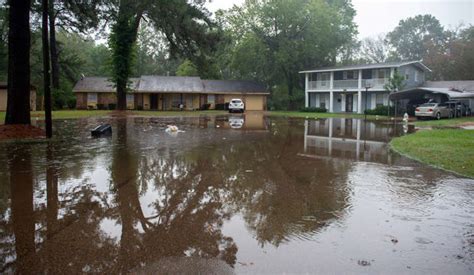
[{"x": 419, "y": 92}]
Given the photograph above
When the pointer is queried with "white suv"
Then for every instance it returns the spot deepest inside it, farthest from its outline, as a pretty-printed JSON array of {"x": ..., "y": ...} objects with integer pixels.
[{"x": 236, "y": 105}]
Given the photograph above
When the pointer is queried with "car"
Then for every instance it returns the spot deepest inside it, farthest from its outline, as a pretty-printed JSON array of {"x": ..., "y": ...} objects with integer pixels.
[
  {"x": 433, "y": 110},
  {"x": 236, "y": 105},
  {"x": 236, "y": 122}
]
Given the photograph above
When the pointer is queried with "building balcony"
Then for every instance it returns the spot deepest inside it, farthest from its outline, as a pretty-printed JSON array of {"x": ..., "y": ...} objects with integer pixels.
[{"x": 375, "y": 83}]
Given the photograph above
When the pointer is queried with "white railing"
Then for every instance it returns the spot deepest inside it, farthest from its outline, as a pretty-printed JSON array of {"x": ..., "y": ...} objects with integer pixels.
[
  {"x": 318, "y": 85},
  {"x": 346, "y": 84},
  {"x": 375, "y": 83}
]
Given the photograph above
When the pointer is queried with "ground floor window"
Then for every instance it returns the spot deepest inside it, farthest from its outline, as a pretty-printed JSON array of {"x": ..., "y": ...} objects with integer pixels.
[
  {"x": 322, "y": 100},
  {"x": 92, "y": 97},
  {"x": 379, "y": 99}
]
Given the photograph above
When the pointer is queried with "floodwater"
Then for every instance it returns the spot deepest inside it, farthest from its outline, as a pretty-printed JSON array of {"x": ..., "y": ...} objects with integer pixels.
[{"x": 230, "y": 194}]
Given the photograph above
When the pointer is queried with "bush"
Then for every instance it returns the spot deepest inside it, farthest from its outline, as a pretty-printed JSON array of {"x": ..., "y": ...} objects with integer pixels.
[
  {"x": 112, "y": 106},
  {"x": 140, "y": 108},
  {"x": 380, "y": 110},
  {"x": 220, "y": 106},
  {"x": 100, "y": 106},
  {"x": 314, "y": 110}
]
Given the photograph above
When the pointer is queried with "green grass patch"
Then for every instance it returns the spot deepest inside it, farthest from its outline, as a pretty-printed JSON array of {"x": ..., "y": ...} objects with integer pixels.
[
  {"x": 454, "y": 122},
  {"x": 299, "y": 114},
  {"x": 450, "y": 149}
]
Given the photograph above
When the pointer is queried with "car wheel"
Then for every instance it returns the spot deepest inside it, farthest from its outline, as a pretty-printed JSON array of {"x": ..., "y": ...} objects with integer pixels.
[{"x": 438, "y": 116}]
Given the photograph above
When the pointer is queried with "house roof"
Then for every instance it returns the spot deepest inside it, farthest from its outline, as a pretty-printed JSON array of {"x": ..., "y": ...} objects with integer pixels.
[
  {"x": 99, "y": 85},
  {"x": 172, "y": 84},
  {"x": 460, "y": 85},
  {"x": 169, "y": 84},
  {"x": 396, "y": 64},
  {"x": 234, "y": 86}
]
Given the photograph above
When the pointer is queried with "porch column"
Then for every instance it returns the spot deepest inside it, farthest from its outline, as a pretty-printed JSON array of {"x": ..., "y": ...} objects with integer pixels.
[
  {"x": 331, "y": 101},
  {"x": 359, "y": 102},
  {"x": 359, "y": 84},
  {"x": 343, "y": 102},
  {"x": 306, "y": 95}
]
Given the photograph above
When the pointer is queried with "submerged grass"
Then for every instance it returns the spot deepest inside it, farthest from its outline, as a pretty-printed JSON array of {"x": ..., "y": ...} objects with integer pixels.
[
  {"x": 298, "y": 114},
  {"x": 450, "y": 149},
  {"x": 71, "y": 114}
]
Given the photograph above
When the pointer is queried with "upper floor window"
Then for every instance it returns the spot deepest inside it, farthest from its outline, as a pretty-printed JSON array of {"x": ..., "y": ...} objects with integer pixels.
[
  {"x": 381, "y": 73},
  {"x": 350, "y": 75},
  {"x": 416, "y": 76}
]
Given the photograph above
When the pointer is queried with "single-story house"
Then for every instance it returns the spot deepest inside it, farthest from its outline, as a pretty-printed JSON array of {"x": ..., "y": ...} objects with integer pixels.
[
  {"x": 169, "y": 92},
  {"x": 4, "y": 97}
]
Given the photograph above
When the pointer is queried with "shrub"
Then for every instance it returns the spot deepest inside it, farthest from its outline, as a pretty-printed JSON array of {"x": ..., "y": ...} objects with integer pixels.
[
  {"x": 314, "y": 110},
  {"x": 100, "y": 106},
  {"x": 140, "y": 108},
  {"x": 112, "y": 106},
  {"x": 380, "y": 110}
]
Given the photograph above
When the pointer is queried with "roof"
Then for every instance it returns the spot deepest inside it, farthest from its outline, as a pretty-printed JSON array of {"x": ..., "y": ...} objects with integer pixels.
[
  {"x": 396, "y": 64},
  {"x": 460, "y": 85},
  {"x": 234, "y": 86},
  {"x": 169, "y": 84},
  {"x": 421, "y": 91},
  {"x": 99, "y": 85},
  {"x": 172, "y": 84}
]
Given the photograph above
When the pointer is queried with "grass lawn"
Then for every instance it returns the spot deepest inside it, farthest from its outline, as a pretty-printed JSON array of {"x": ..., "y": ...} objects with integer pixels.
[
  {"x": 319, "y": 115},
  {"x": 444, "y": 122},
  {"x": 450, "y": 149}
]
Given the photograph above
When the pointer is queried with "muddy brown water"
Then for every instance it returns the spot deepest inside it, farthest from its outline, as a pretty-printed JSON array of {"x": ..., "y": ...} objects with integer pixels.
[{"x": 230, "y": 194}]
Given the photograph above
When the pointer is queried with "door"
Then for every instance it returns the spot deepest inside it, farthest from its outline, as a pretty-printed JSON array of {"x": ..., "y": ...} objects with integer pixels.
[
  {"x": 154, "y": 101},
  {"x": 349, "y": 101}
]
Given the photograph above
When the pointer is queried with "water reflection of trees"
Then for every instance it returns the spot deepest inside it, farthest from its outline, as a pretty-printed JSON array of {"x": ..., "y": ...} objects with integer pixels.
[{"x": 164, "y": 204}]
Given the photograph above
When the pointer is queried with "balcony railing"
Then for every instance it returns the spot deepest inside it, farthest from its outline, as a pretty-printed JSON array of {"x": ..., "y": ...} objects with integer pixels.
[
  {"x": 318, "y": 85},
  {"x": 375, "y": 83}
]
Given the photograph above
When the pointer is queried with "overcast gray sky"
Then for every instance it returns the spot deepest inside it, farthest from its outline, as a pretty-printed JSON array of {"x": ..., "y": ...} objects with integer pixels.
[{"x": 381, "y": 16}]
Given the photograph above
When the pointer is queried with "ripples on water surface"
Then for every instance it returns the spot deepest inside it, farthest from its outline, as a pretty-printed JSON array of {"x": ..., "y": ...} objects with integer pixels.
[{"x": 244, "y": 194}]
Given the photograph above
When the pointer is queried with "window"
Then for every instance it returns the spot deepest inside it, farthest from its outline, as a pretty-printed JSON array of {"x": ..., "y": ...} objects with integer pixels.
[
  {"x": 92, "y": 97},
  {"x": 324, "y": 79},
  {"x": 350, "y": 75},
  {"x": 407, "y": 74},
  {"x": 211, "y": 99},
  {"x": 416, "y": 76},
  {"x": 379, "y": 99}
]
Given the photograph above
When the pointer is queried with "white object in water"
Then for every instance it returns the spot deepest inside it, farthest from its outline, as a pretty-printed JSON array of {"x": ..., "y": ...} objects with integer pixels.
[
  {"x": 405, "y": 117},
  {"x": 172, "y": 128}
]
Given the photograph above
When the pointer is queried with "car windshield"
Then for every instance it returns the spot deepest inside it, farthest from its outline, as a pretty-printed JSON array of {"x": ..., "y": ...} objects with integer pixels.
[
  {"x": 236, "y": 101},
  {"x": 428, "y": 105}
]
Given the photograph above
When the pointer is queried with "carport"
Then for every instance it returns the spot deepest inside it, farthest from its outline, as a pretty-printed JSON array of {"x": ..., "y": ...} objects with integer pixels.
[{"x": 408, "y": 100}]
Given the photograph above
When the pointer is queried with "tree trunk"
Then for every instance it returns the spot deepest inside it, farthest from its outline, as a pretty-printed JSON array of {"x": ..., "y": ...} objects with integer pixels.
[
  {"x": 46, "y": 74},
  {"x": 18, "y": 102},
  {"x": 53, "y": 46}
]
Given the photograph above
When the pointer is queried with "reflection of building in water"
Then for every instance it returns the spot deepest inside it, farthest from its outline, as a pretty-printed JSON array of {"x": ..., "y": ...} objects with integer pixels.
[
  {"x": 250, "y": 121},
  {"x": 349, "y": 138}
]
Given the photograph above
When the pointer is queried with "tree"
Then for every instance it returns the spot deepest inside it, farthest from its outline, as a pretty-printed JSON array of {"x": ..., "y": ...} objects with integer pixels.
[
  {"x": 46, "y": 69},
  {"x": 375, "y": 49},
  {"x": 18, "y": 103},
  {"x": 456, "y": 59},
  {"x": 412, "y": 36},
  {"x": 185, "y": 25},
  {"x": 276, "y": 39},
  {"x": 187, "y": 68},
  {"x": 395, "y": 83}
]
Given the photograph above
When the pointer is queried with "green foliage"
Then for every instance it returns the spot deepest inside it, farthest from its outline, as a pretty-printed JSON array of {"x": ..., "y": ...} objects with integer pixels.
[
  {"x": 280, "y": 98},
  {"x": 313, "y": 110},
  {"x": 395, "y": 83},
  {"x": 275, "y": 39},
  {"x": 412, "y": 36},
  {"x": 381, "y": 111},
  {"x": 187, "y": 68}
]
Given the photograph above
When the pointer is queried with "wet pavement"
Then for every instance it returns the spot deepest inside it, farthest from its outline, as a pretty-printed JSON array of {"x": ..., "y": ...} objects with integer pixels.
[{"x": 229, "y": 194}]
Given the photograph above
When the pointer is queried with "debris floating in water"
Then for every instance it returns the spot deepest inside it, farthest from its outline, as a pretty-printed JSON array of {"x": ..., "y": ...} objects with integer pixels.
[
  {"x": 173, "y": 130},
  {"x": 102, "y": 130},
  {"x": 248, "y": 171}
]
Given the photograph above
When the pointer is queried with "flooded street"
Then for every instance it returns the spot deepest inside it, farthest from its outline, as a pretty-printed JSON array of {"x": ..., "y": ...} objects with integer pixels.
[{"x": 230, "y": 194}]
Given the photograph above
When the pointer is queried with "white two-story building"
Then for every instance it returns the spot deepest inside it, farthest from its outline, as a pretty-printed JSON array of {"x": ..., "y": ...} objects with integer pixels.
[{"x": 358, "y": 87}]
